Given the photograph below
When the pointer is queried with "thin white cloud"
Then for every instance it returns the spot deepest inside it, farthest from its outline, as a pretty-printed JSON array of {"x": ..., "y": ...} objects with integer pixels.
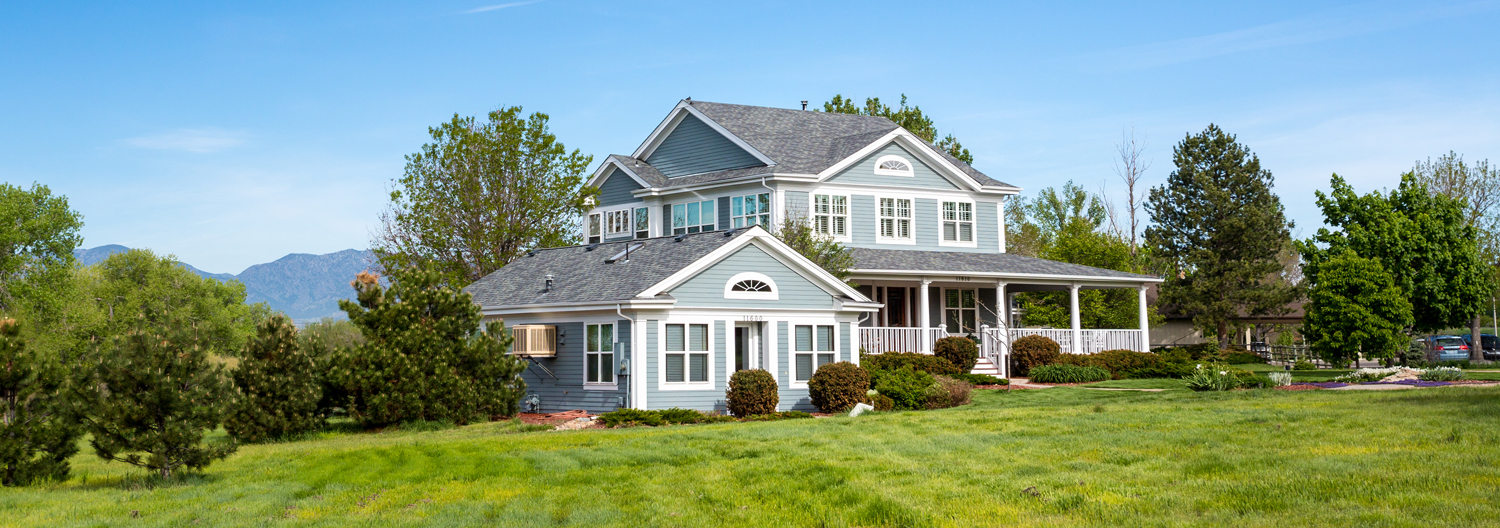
[
  {"x": 499, "y": 6},
  {"x": 199, "y": 140}
]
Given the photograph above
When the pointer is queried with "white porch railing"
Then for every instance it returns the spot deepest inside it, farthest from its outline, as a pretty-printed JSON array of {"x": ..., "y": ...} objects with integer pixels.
[
  {"x": 881, "y": 339},
  {"x": 1063, "y": 337},
  {"x": 1092, "y": 341},
  {"x": 994, "y": 345}
]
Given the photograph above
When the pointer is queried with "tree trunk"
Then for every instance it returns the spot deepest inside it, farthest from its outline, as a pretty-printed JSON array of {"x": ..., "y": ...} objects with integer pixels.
[
  {"x": 1476, "y": 342},
  {"x": 1223, "y": 336}
]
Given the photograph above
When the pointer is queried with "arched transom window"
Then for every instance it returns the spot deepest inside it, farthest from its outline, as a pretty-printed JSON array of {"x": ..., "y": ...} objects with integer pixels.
[
  {"x": 750, "y": 285},
  {"x": 893, "y": 166}
]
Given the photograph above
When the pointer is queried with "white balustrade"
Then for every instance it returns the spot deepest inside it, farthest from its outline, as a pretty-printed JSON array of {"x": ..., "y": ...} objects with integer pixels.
[{"x": 881, "y": 339}]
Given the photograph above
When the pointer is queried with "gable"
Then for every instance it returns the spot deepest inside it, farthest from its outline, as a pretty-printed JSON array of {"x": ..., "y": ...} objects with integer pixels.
[
  {"x": 693, "y": 147},
  {"x": 616, "y": 188},
  {"x": 863, "y": 172},
  {"x": 792, "y": 289}
]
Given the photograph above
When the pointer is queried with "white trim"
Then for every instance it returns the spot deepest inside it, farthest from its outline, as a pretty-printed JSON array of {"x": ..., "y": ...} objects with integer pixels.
[
  {"x": 909, "y": 172},
  {"x": 614, "y": 329},
  {"x": 661, "y": 353},
  {"x": 675, "y": 118},
  {"x": 911, "y": 221},
  {"x": 599, "y": 174},
  {"x": 973, "y": 224},
  {"x": 916, "y": 146},
  {"x": 771, "y": 246},
  {"x": 791, "y": 346},
  {"x": 1000, "y": 213},
  {"x": 773, "y": 295},
  {"x": 812, "y": 212},
  {"x": 1058, "y": 279}
]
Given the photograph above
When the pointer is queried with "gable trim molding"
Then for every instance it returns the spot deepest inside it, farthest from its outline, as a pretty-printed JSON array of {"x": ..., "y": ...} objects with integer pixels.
[
  {"x": 773, "y": 247},
  {"x": 675, "y": 118},
  {"x": 918, "y": 148},
  {"x": 598, "y": 177}
]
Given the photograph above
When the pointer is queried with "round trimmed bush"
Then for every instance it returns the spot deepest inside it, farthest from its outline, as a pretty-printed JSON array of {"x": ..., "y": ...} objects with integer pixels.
[
  {"x": 882, "y": 402},
  {"x": 1030, "y": 352},
  {"x": 906, "y": 388},
  {"x": 1067, "y": 374},
  {"x": 960, "y": 351},
  {"x": 836, "y": 387},
  {"x": 752, "y": 392}
]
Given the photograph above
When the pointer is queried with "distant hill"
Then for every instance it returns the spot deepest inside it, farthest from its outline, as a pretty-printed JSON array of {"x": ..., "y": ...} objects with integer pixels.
[{"x": 302, "y": 286}]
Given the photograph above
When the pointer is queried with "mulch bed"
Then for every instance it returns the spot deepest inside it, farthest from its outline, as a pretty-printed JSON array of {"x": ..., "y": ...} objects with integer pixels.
[{"x": 552, "y": 418}]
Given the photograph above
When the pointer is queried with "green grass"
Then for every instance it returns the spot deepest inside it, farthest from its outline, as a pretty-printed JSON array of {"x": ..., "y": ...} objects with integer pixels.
[
  {"x": 1053, "y": 457},
  {"x": 1154, "y": 383}
]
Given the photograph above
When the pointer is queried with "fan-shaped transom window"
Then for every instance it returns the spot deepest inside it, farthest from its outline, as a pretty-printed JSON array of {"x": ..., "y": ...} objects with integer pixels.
[
  {"x": 893, "y": 166},
  {"x": 750, "y": 285}
]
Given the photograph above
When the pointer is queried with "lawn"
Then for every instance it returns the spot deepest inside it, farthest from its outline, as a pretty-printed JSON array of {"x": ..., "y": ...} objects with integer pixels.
[{"x": 1061, "y": 456}]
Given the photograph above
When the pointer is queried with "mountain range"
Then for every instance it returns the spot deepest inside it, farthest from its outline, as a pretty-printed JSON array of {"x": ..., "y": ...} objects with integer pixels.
[{"x": 304, "y": 287}]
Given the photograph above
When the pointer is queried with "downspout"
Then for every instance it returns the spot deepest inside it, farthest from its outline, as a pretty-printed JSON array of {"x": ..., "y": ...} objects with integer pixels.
[
  {"x": 771, "y": 227},
  {"x": 621, "y": 313}
]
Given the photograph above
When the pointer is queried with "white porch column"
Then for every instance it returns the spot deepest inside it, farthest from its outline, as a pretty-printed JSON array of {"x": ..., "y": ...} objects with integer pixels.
[
  {"x": 1002, "y": 308},
  {"x": 1073, "y": 319},
  {"x": 1145, "y": 323},
  {"x": 924, "y": 316}
]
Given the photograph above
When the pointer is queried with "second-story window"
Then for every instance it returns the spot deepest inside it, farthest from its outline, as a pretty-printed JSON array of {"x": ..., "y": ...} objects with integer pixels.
[
  {"x": 642, "y": 222},
  {"x": 958, "y": 222},
  {"x": 755, "y": 209},
  {"x": 595, "y": 228},
  {"x": 693, "y": 217},
  {"x": 831, "y": 214},
  {"x": 617, "y": 222},
  {"x": 895, "y": 218}
]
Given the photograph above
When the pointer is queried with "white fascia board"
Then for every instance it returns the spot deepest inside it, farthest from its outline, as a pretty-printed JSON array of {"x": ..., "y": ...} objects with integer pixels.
[
  {"x": 630, "y": 304},
  {"x": 673, "y": 119},
  {"x": 1052, "y": 279},
  {"x": 772, "y": 177},
  {"x": 595, "y": 180},
  {"x": 773, "y": 247},
  {"x": 911, "y": 143}
]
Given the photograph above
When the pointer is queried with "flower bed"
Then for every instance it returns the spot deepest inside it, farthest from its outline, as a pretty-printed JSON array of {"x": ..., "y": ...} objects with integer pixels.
[{"x": 1414, "y": 383}]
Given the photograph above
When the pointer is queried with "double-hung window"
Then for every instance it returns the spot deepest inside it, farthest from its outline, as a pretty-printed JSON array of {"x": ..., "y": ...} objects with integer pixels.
[
  {"x": 687, "y": 353},
  {"x": 831, "y": 214},
  {"x": 642, "y": 222},
  {"x": 814, "y": 346},
  {"x": 617, "y": 222},
  {"x": 693, "y": 217},
  {"x": 960, "y": 311},
  {"x": 599, "y": 353},
  {"x": 754, "y": 209},
  {"x": 895, "y": 218},
  {"x": 958, "y": 222},
  {"x": 595, "y": 228}
]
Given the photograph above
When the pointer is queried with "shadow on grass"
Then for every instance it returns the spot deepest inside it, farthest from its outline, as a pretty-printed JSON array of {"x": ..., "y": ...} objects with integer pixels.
[{"x": 144, "y": 481}]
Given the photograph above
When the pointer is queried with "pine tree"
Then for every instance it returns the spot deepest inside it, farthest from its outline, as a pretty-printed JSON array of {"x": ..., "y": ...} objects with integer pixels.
[
  {"x": 424, "y": 357},
  {"x": 1219, "y": 229},
  {"x": 151, "y": 394},
  {"x": 278, "y": 386},
  {"x": 37, "y": 432}
]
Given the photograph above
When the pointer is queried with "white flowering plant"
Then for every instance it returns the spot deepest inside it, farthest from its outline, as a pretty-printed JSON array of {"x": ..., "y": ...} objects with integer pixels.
[{"x": 1213, "y": 377}]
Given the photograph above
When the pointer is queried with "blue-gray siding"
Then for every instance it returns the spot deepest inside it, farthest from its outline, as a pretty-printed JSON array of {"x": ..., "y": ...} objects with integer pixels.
[
  {"x": 845, "y": 345},
  {"x": 791, "y": 399},
  {"x": 926, "y": 228},
  {"x": 721, "y": 365},
  {"x": 702, "y": 400},
  {"x": 922, "y": 175},
  {"x": 694, "y": 147},
  {"x": 707, "y": 288},
  {"x": 616, "y": 189},
  {"x": 797, "y": 205},
  {"x": 566, "y": 392}
]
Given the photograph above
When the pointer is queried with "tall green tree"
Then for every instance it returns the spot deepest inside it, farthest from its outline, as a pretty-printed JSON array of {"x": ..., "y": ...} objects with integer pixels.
[
  {"x": 424, "y": 356},
  {"x": 823, "y": 250},
  {"x": 481, "y": 194},
  {"x": 138, "y": 285},
  {"x": 1070, "y": 228},
  {"x": 278, "y": 386},
  {"x": 38, "y": 233},
  {"x": 1476, "y": 188},
  {"x": 37, "y": 431},
  {"x": 1355, "y": 308},
  {"x": 910, "y": 118},
  {"x": 1421, "y": 239},
  {"x": 1217, "y": 229}
]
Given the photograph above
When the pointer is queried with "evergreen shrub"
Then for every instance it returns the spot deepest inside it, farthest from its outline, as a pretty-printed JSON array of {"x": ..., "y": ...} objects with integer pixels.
[
  {"x": 907, "y": 388},
  {"x": 1032, "y": 351},
  {"x": 1061, "y": 373},
  {"x": 930, "y": 364},
  {"x": 38, "y": 434},
  {"x": 960, "y": 351},
  {"x": 278, "y": 388},
  {"x": 947, "y": 392},
  {"x": 882, "y": 402},
  {"x": 752, "y": 392},
  {"x": 836, "y": 387}
]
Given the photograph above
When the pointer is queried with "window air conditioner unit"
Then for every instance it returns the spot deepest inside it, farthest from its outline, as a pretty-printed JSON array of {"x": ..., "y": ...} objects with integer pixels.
[{"x": 534, "y": 340}]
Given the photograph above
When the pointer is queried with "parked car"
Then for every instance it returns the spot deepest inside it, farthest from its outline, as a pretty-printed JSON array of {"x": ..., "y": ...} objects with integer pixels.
[
  {"x": 1442, "y": 347},
  {"x": 1490, "y": 343}
]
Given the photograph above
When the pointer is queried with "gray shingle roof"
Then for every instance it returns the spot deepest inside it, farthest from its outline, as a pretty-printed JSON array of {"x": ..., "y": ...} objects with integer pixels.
[
  {"x": 581, "y": 275},
  {"x": 799, "y": 141},
  {"x": 642, "y": 169},
  {"x": 896, "y": 259}
]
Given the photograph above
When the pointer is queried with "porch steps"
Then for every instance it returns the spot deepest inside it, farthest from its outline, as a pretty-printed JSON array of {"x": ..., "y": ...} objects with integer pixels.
[{"x": 985, "y": 366}]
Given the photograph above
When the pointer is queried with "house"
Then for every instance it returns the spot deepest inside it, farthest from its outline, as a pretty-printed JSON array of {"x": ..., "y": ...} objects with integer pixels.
[{"x": 680, "y": 282}]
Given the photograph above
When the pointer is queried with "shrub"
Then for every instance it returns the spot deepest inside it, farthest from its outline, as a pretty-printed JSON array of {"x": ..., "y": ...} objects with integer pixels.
[
  {"x": 1279, "y": 379},
  {"x": 1118, "y": 362},
  {"x": 635, "y": 417},
  {"x": 783, "y": 415},
  {"x": 1243, "y": 358},
  {"x": 1216, "y": 377},
  {"x": 882, "y": 402},
  {"x": 960, "y": 351},
  {"x": 948, "y": 392},
  {"x": 897, "y": 360},
  {"x": 836, "y": 387},
  {"x": 752, "y": 392},
  {"x": 1254, "y": 381},
  {"x": 1061, "y": 373},
  {"x": 1442, "y": 374},
  {"x": 980, "y": 379},
  {"x": 1163, "y": 369},
  {"x": 1303, "y": 364},
  {"x": 1032, "y": 351},
  {"x": 907, "y": 388},
  {"x": 1192, "y": 352},
  {"x": 277, "y": 384}
]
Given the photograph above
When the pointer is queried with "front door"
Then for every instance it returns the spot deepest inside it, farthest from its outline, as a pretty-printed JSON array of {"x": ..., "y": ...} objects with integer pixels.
[
  {"x": 746, "y": 346},
  {"x": 895, "y": 305}
]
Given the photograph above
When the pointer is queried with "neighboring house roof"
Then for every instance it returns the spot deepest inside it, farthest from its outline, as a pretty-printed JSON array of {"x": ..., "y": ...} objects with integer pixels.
[
  {"x": 979, "y": 263},
  {"x": 799, "y": 141}
]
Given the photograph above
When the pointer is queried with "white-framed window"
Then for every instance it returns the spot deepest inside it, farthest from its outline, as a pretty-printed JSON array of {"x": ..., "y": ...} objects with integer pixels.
[
  {"x": 958, "y": 222},
  {"x": 961, "y": 311},
  {"x": 693, "y": 217},
  {"x": 831, "y": 215},
  {"x": 813, "y": 345},
  {"x": 687, "y": 353},
  {"x": 750, "y": 285},
  {"x": 893, "y": 165},
  {"x": 895, "y": 219},
  {"x": 617, "y": 222},
  {"x": 749, "y": 210},
  {"x": 642, "y": 222},
  {"x": 595, "y": 228},
  {"x": 599, "y": 354}
]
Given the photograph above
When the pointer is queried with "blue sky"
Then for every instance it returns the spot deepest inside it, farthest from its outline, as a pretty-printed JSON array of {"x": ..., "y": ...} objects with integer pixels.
[{"x": 233, "y": 134}]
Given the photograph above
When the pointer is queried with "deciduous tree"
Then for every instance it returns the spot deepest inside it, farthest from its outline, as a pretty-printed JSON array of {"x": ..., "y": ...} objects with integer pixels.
[
  {"x": 1476, "y": 187},
  {"x": 1355, "y": 308},
  {"x": 822, "y": 249},
  {"x": 38, "y": 233},
  {"x": 908, "y": 117}
]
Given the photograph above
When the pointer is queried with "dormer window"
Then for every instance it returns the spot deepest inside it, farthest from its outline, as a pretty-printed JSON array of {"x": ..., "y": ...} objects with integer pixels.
[
  {"x": 893, "y": 166},
  {"x": 750, "y": 285}
]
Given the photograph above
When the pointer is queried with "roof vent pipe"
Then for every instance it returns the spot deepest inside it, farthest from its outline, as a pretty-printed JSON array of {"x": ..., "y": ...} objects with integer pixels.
[
  {"x": 548, "y": 286},
  {"x": 804, "y": 105}
]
